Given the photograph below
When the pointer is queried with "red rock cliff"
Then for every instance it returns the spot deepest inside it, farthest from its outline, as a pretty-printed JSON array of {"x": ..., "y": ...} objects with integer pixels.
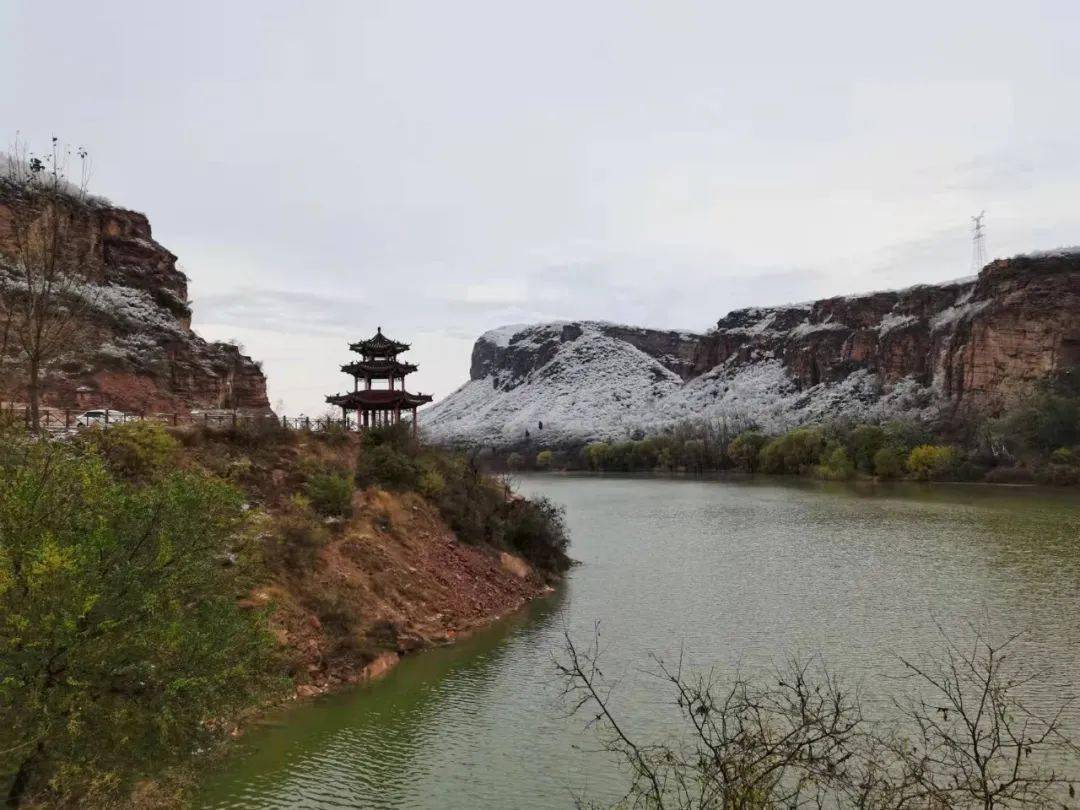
[
  {"x": 926, "y": 351},
  {"x": 979, "y": 342},
  {"x": 142, "y": 354}
]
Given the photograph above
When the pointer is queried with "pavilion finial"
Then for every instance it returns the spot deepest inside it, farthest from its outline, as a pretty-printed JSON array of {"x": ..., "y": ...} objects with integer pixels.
[{"x": 379, "y": 329}]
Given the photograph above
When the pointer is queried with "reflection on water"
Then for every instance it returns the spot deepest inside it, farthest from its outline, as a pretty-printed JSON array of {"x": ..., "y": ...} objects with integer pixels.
[{"x": 734, "y": 573}]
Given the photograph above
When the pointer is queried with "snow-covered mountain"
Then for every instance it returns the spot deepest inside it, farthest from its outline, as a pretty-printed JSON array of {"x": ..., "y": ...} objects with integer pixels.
[{"x": 975, "y": 342}]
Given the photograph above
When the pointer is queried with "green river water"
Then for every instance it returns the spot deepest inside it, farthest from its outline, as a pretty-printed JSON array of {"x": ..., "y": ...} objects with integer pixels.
[{"x": 731, "y": 573}]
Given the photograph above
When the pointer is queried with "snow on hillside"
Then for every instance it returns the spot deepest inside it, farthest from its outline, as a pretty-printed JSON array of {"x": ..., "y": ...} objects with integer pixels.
[{"x": 596, "y": 387}]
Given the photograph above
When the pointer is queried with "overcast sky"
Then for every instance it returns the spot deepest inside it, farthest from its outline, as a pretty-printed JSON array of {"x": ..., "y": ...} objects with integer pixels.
[{"x": 442, "y": 168}]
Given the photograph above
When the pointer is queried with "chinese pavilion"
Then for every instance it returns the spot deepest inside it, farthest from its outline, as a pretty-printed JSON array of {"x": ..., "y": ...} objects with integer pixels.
[{"x": 376, "y": 405}]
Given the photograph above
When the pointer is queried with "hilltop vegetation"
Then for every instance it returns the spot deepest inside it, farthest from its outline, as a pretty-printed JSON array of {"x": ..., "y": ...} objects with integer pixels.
[
  {"x": 1036, "y": 441},
  {"x": 157, "y": 584}
]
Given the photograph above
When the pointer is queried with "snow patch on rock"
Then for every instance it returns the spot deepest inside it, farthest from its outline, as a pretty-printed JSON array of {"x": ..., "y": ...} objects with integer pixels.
[
  {"x": 598, "y": 387},
  {"x": 894, "y": 321}
]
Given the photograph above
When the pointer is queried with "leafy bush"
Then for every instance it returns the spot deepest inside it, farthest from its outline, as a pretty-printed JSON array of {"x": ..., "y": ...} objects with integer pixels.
[
  {"x": 544, "y": 459},
  {"x": 931, "y": 462},
  {"x": 969, "y": 470},
  {"x": 794, "y": 452},
  {"x": 248, "y": 433},
  {"x": 431, "y": 484},
  {"x": 907, "y": 433},
  {"x": 745, "y": 449},
  {"x": 515, "y": 461},
  {"x": 119, "y": 631},
  {"x": 837, "y": 466},
  {"x": 1047, "y": 420},
  {"x": 333, "y": 432},
  {"x": 890, "y": 462},
  {"x": 330, "y": 494},
  {"x": 469, "y": 501},
  {"x": 694, "y": 455},
  {"x": 1010, "y": 475},
  {"x": 1059, "y": 475},
  {"x": 481, "y": 509},
  {"x": 863, "y": 443},
  {"x": 596, "y": 455},
  {"x": 536, "y": 529},
  {"x": 296, "y": 539},
  {"x": 133, "y": 450},
  {"x": 1065, "y": 457},
  {"x": 385, "y": 465}
]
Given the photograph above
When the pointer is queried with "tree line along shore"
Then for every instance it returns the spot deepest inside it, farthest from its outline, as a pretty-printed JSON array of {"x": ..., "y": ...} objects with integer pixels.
[{"x": 1037, "y": 440}]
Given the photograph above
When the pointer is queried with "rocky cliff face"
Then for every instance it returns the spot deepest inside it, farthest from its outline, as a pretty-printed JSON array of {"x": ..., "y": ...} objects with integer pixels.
[
  {"x": 137, "y": 351},
  {"x": 976, "y": 343}
]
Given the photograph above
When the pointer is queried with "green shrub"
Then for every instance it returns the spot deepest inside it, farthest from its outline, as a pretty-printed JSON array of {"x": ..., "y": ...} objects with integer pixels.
[
  {"x": 745, "y": 449},
  {"x": 333, "y": 432},
  {"x": 863, "y": 444},
  {"x": 693, "y": 456},
  {"x": 1047, "y": 420},
  {"x": 469, "y": 501},
  {"x": 544, "y": 459},
  {"x": 907, "y": 433},
  {"x": 1065, "y": 457},
  {"x": 665, "y": 459},
  {"x": 1058, "y": 475},
  {"x": 330, "y": 494},
  {"x": 385, "y": 465},
  {"x": 536, "y": 529},
  {"x": 793, "y": 453},
  {"x": 596, "y": 455},
  {"x": 890, "y": 462},
  {"x": 252, "y": 434},
  {"x": 397, "y": 436},
  {"x": 431, "y": 483},
  {"x": 388, "y": 458},
  {"x": 932, "y": 462},
  {"x": 133, "y": 450},
  {"x": 119, "y": 629},
  {"x": 1009, "y": 475},
  {"x": 296, "y": 538},
  {"x": 837, "y": 466},
  {"x": 481, "y": 509},
  {"x": 515, "y": 461},
  {"x": 969, "y": 470}
]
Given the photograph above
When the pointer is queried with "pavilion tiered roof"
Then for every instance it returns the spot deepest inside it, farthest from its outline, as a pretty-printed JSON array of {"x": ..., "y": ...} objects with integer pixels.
[{"x": 380, "y": 345}]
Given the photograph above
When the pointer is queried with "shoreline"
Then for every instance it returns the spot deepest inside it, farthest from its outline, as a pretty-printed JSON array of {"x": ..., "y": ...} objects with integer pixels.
[{"x": 720, "y": 475}]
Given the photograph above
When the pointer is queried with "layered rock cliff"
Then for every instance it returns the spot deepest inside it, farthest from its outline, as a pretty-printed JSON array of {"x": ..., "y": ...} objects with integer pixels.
[
  {"x": 929, "y": 350},
  {"x": 136, "y": 350}
]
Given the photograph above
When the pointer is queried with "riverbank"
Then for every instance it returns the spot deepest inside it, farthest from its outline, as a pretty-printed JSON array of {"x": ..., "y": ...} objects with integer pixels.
[
  {"x": 278, "y": 565},
  {"x": 392, "y": 579},
  {"x": 356, "y": 577},
  {"x": 734, "y": 574}
]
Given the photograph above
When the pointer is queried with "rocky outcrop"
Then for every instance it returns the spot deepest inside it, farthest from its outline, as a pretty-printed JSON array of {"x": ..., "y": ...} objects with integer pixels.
[
  {"x": 976, "y": 343},
  {"x": 137, "y": 351}
]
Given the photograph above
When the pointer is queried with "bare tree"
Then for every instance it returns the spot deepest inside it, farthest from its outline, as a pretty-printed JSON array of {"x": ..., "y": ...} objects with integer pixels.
[
  {"x": 45, "y": 277},
  {"x": 977, "y": 744},
  {"x": 800, "y": 739}
]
